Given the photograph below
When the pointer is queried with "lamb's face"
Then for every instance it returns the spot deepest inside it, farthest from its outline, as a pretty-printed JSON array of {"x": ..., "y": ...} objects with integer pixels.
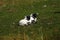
[{"x": 34, "y": 15}]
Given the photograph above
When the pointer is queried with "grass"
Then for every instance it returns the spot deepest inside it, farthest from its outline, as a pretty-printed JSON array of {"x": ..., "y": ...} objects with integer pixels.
[{"x": 46, "y": 28}]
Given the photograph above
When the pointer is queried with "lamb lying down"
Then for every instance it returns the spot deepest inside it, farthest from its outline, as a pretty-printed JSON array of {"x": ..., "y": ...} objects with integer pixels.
[{"x": 29, "y": 19}]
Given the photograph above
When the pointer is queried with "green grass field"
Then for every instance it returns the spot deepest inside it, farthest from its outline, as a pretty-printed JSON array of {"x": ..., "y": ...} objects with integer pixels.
[{"x": 46, "y": 28}]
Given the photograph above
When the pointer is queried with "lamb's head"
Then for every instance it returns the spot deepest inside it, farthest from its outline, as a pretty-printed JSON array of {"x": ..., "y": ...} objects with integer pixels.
[{"x": 34, "y": 15}]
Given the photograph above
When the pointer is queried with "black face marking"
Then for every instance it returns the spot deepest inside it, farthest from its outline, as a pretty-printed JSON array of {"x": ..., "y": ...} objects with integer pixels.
[
  {"x": 34, "y": 15},
  {"x": 28, "y": 17}
]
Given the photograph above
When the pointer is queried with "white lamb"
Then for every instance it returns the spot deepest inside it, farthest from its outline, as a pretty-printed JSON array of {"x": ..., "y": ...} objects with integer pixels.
[{"x": 29, "y": 19}]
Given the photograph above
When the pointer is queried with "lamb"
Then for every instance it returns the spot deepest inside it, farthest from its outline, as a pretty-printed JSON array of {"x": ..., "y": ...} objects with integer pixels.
[{"x": 29, "y": 19}]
